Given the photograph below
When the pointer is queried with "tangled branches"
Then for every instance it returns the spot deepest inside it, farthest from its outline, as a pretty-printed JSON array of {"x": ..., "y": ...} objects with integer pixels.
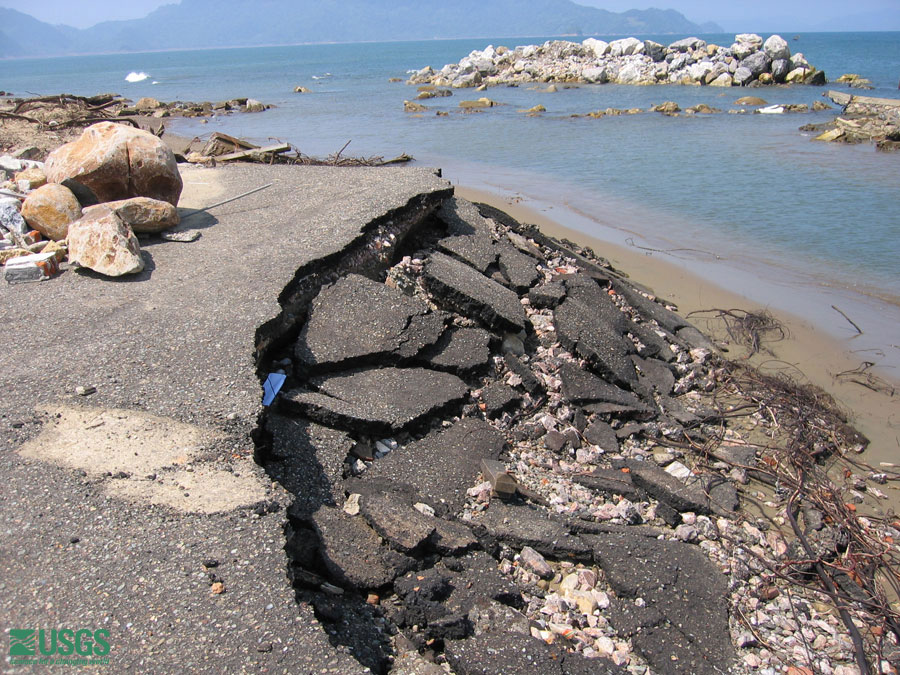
[{"x": 749, "y": 329}]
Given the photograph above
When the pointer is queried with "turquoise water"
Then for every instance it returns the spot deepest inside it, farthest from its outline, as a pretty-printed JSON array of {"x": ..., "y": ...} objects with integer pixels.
[{"x": 751, "y": 191}]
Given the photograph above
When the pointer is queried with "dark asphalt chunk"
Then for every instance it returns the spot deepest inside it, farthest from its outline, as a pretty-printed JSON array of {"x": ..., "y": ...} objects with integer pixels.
[
  {"x": 405, "y": 528},
  {"x": 611, "y": 482},
  {"x": 308, "y": 460},
  {"x": 520, "y": 526},
  {"x": 499, "y": 398},
  {"x": 460, "y": 350},
  {"x": 376, "y": 399},
  {"x": 518, "y": 268},
  {"x": 444, "y": 464},
  {"x": 473, "y": 294},
  {"x": 353, "y": 553},
  {"x": 588, "y": 292},
  {"x": 648, "y": 308},
  {"x": 469, "y": 236},
  {"x": 601, "y": 434},
  {"x": 358, "y": 318},
  {"x": 680, "y": 582},
  {"x": 529, "y": 380},
  {"x": 581, "y": 330},
  {"x": 668, "y": 489},
  {"x": 580, "y": 387},
  {"x": 654, "y": 375},
  {"x": 547, "y": 296}
]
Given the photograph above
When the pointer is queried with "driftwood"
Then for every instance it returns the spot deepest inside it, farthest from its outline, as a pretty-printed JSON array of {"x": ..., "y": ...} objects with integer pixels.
[{"x": 254, "y": 153}]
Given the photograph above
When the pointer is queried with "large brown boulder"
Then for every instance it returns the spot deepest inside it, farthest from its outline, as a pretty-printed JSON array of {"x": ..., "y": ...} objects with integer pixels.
[
  {"x": 118, "y": 162},
  {"x": 103, "y": 243},
  {"x": 143, "y": 214},
  {"x": 50, "y": 210}
]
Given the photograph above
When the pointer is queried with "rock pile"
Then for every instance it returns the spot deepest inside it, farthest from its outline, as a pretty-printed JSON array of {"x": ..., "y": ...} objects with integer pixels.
[
  {"x": 478, "y": 440},
  {"x": 90, "y": 198},
  {"x": 749, "y": 61}
]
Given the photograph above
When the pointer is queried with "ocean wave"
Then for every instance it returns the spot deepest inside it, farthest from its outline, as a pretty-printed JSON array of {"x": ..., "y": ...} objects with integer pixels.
[{"x": 136, "y": 77}]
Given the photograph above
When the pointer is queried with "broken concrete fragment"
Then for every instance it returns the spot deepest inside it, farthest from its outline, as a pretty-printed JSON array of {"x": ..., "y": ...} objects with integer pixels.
[
  {"x": 503, "y": 484},
  {"x": 352, "y": 552},
  {"x": 404, "y": 527},
  {"x": 470, "y": 238},
  {"x": 357, "y": 318},
  {"x": 444, "y": 464},
  {"x": 473, "y": 294},
  {"x": 459, "y": 350},
  {"x": 580, "y": 330},
  {"x": 382, "y": 400},
  {"x": 534, "y": 562}
]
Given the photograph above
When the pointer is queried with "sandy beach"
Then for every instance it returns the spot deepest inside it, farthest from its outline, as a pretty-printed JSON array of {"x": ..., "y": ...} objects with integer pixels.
[{"x": 808, "y": 353}]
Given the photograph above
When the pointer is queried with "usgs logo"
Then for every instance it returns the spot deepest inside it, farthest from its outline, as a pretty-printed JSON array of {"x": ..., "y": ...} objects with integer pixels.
[{"x": 64, "y": 642}]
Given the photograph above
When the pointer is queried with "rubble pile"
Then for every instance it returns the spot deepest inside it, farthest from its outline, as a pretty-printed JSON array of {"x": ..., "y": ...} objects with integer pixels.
[
  {"x": 489, "y": 444},
  {"x": 863, "y": 119},
  {"x": 87, "y": 202},
  {"x": 749, "y": 61}
]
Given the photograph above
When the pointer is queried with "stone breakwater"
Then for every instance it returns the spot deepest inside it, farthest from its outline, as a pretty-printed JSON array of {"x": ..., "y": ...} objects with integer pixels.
[{"x": 749, "y": 61}]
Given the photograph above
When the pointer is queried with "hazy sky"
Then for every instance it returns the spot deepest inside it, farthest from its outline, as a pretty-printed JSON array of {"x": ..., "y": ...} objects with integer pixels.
[{"x": 761, "y": 15}]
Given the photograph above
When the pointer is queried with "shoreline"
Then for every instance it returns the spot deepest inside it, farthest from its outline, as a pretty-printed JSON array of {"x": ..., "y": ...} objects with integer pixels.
[{"x": 808, "y": 353}]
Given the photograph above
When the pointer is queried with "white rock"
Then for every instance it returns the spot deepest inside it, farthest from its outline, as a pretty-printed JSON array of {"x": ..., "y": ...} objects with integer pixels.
[
  {"x": 599, "y": 47},
  {"x": 777, "y": 48},
  {"x": 626, "y": 47},
  {"x": 678, "y": 470},
  {"x": 102, "y": 242},
  {"x": 751, "y": 38}
]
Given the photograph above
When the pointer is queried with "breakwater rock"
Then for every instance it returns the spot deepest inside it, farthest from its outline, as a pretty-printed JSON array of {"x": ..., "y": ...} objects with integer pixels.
[
  {"x": 863, "y": 119},
  {"x": 749, "y": 61}
]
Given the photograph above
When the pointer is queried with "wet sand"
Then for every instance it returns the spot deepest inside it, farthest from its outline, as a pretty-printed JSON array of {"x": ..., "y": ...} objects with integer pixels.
[{"x": 808, "y": 353}]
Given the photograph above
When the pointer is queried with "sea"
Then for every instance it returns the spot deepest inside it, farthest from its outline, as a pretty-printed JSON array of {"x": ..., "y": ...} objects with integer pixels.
[{"x": 747, "y": 201}]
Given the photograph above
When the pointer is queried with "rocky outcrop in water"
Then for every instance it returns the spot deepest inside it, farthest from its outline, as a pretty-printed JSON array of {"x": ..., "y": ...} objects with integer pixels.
[{"x": 749, "y": 61}]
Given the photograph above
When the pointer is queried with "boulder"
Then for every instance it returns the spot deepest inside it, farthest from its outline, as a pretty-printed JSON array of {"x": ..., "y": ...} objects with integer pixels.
[
  {"x": 757, "y": 63},
  {"x": 118, "y": 162},
  {"x": 626, "y": 47},
  {"x": 751, "y": 100},
  {"x": 798, "y": 61},
  {"x": 10, "y": 218},
  {"x": 412, "y": 106},
  {"x": 143, "y": 214},
  {"x": 776, "y": 48},
  {"x": 50, "y": 210},
  {"x": 687, "y": 44},
  {"x": 102, "y": 242},
  {"x": 797, "y": 75},
  {"x": 654, "y": 50},
  {"x": 668, "y": 107},
  {"x": 254, "y": 106},
  {"x": 743, "y": 76},
  {"x": 598, "y": 47},
  {"x": 749, "y": 38},
  {"x": 723, "y": 80},
  {"x": 147, "y": 104},
  {"x": 741, "y": 50}
]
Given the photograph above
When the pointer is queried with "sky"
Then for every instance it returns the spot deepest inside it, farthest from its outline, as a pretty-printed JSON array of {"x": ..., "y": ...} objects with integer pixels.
[{"x": 743, "y": 15}]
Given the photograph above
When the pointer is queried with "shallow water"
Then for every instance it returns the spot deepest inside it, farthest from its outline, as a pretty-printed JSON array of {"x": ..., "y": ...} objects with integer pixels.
[{"x": 755, "y": 200}]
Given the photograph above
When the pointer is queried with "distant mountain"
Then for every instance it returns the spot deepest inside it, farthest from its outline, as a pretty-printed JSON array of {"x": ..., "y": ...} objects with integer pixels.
[{"x": 238, "y": 23}]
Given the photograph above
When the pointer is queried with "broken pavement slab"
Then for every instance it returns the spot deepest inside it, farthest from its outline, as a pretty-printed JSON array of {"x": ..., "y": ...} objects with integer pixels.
[
  {"x": 469, "y": 236},
  {"x": 357, "y": 318},
  {"x": 376, "y": 400},
  {"x": 473, "y": 294}
]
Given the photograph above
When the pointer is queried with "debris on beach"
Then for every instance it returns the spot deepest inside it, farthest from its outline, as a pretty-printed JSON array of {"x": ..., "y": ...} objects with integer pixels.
[
  {"x": 577, "y": 477},
  {"x": 748, "y": 62},
  {"x": 863, "y": 119}
]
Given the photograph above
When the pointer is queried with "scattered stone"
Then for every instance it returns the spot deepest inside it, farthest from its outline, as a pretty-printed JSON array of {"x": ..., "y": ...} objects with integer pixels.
[
  {"x": 102, "y": 242},
  {"x": 50, "y": 210},
  {"x": 502, "y": 483},
  {"x": 182, "y": 236},
  {"x": 144, "y": 215}
]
